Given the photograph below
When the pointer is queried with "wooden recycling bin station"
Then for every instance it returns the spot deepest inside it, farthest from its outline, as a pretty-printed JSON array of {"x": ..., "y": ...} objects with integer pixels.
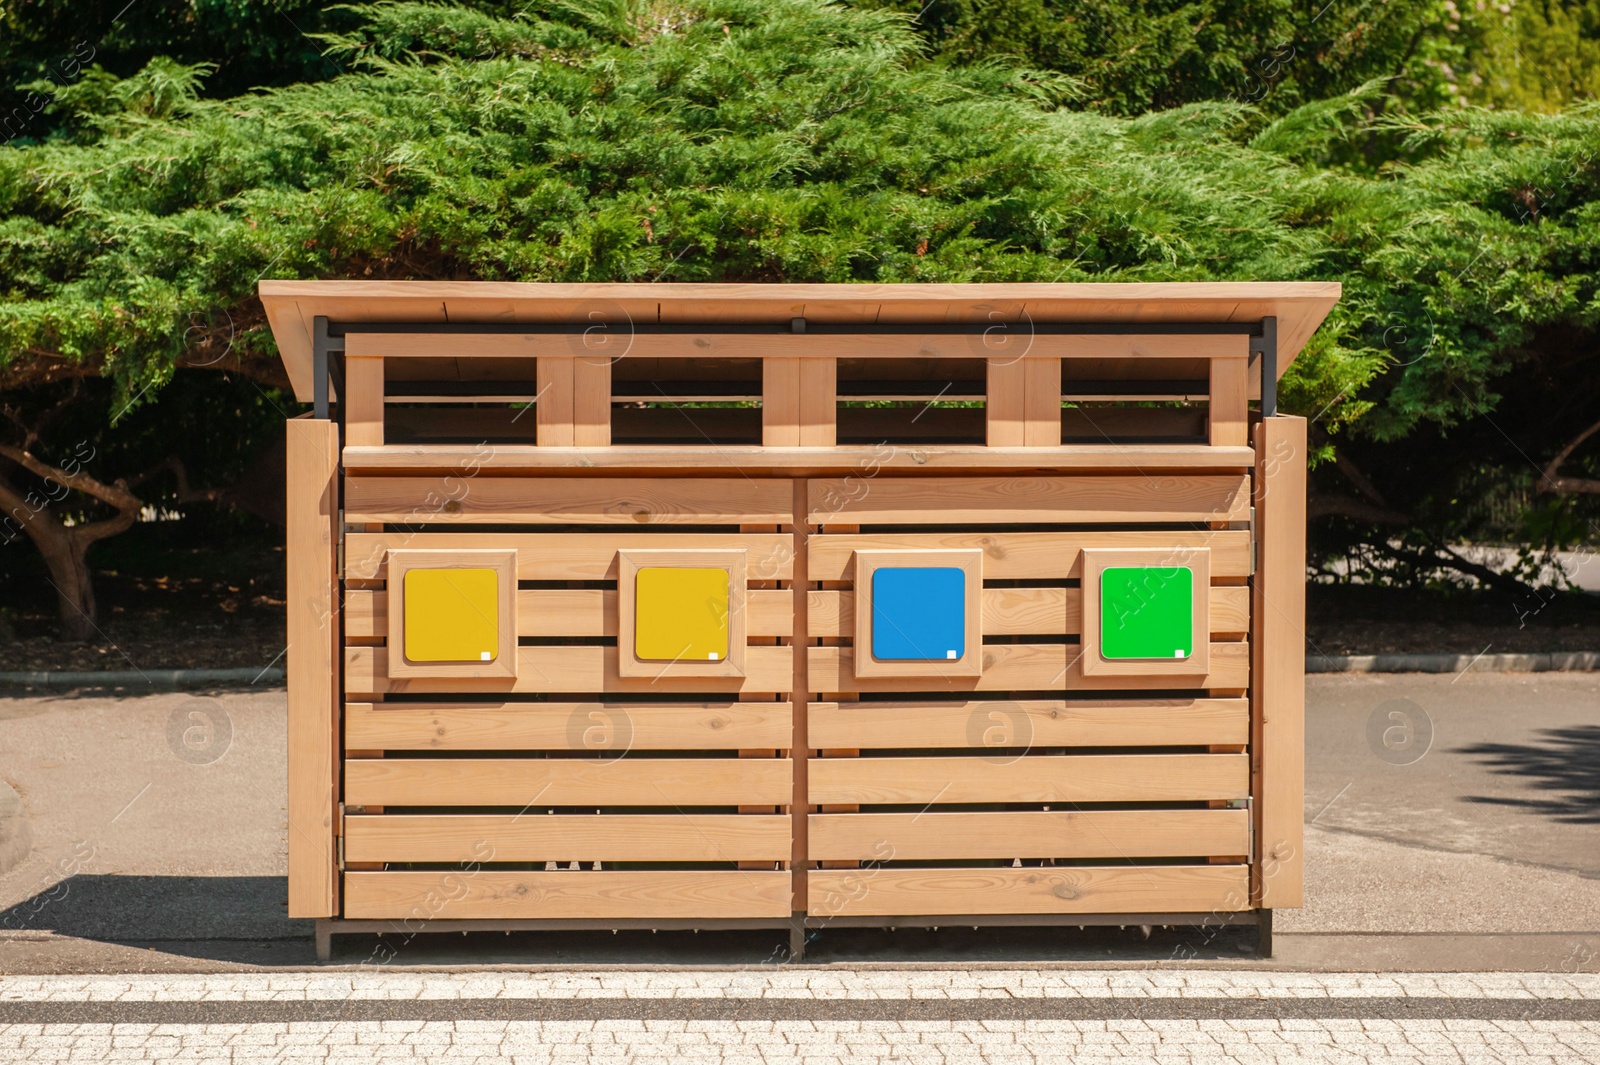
[{"x": 678, "y": 606}]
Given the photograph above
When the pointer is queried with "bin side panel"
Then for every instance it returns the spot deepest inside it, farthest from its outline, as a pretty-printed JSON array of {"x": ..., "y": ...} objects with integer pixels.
[
  {"x": 313, "y": 658},
  {"x": 1278, "y": 695}
]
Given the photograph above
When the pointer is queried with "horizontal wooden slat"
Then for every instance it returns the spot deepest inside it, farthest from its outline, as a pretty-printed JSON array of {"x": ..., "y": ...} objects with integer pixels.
[
  {"x": 999, "y": 499},
  {"x": 1031, "y": 778},
  {"x": 1022, "y": 611},
  {"x": 566, "y": 781},
  {"x": 540, "y": 837},
  {"x": 1082, "y": 889},
  {"x": 570, "y": 556},
  {"x": 1030, "y": 723},
  {"x": 1027, "y": 555},
  {"x": 396, "y": 458},
  {"x": 1024, "y": 667},
  {"x": 568, "y": 895},
  {"x": 569, "y": 669},
  {"x": 572, "y": 612},
  {"x": 711, "y": 344},
  {"x": 568, "y": 500},
  {"x": 608, "y": 728},
  {"x": 1114, "y": 834}
]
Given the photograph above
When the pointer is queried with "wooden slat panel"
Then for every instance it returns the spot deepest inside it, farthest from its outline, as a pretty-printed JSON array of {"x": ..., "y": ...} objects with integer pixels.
[
  {"x": 311, "y": 520},
  {"x": 1021, "y": 611},
  {"x": 1082, "y": 889},
  {"x": 569, "y": 669},
  {"x": 570, "y": 556},
  {"x": 575, "y": 612},
  {"x": 552, "y": 411},
  {"x": 1024, "y": 667},
  {"x": 564, "y": 500},
  {"x": 600, "y": 727},
  {"x": 1160, "y": 458},
  {"x": 780, "y": 402},
  {"x": 1125, "y": 346},
  {"x": 1005, "y": 406},
  {"x": 1043, "y": 398},
  {"x": 1030, "y": 722},
  {"x": 819, "y": 405},
  {"x": 1031, "y": 778},
  {"x": 539, "y": 837},
  {"x": 1114, "y": 834},
  {"x": 591, "y": 402},
  {"x": 1279, "y": 693},
  {"x": 363, "y": 402},
  {"x": 493, "y": 894},
  {"x": 1028, "y": 555},
  {"x": 523, "y": 782},
  {"x": 1228, "y": 413},
  {"x": 1112, "y": 498}
]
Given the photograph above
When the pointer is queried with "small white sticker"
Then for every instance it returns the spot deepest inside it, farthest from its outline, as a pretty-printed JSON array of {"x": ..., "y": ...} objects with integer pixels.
[
  {"x": 486, "y": 656},
  {"x": 951, "y": 654},
  {"x": 1177, "y": 654},
  {"x": 712, "y": 656}
]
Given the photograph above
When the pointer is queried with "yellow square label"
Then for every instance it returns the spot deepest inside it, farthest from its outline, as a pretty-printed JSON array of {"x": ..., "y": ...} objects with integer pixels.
[
  {"x": 452, "y": 615},
  {"x": 681, "y": 614}
]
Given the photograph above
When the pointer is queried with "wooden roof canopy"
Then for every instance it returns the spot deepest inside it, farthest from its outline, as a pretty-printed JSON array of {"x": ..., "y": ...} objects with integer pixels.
[{"x": 293, "y": 306}]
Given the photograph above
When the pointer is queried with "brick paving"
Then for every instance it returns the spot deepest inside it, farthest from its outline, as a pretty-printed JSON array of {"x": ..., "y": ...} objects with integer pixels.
[{"x": 814, "y": 1017}]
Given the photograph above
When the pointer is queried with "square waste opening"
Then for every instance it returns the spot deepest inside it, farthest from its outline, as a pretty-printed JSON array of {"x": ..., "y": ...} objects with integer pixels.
[
  {"x": 1147, "y": 612},
  {"x": 681, "y": 614},
  {"x": 452, "y": 615},
  {"x": 919, "y": 613}
]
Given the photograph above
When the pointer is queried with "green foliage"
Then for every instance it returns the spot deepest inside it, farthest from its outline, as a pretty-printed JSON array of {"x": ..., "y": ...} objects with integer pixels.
[{"x": 1532, "y": 55}]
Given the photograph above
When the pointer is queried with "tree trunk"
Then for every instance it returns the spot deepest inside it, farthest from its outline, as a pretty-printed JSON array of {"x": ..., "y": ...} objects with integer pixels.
[{"x": 66, "y": 555}]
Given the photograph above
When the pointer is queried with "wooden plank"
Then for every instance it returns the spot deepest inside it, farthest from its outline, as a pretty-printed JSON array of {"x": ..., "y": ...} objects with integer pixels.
[
  {"x": 1042, "y": 395},
  {"x": 819, "y": 402},
  {"x": 1033, "y": 723},
  {"x": 1019, "y": 611},
  {"x": 599, "y": 727},
  {"x": 571, "y": 556},
  {"x": 553, "y": 410},
  {"x": 363, "y": 402},
  {"x": 576, "y": 612},
  {"x": 1201, "y": 889},
  {"x": 780, "y": 402},
  {"x": 1228, "y": 412},
  {"x": 499, "y": 895},
  {"x": 568, "y": 500},
  {"x": 1278, "y": 694},
  {"x": 510, "y": 457},
  {"x": 1022, "y": 667},
  {"x": 1028, "y": 555},
  {"x": 524, "y": 782},
  {"x": 312, "y": 615},
  {"x": 591, "y": 402},
  {"x": 549, "y": 668},
  {"x": 1157, "y": 346},
  {"x": 1113, "y": 834},
  {"x": 1005, "y": 406},
  {"x": 1111, "y": 498},
  {"x": 540, "y": 837},
  {"x": 1030, "y": 778}
]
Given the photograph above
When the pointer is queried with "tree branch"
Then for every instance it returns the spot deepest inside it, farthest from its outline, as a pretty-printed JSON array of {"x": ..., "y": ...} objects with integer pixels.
[{"x": 1551, "y": 481}]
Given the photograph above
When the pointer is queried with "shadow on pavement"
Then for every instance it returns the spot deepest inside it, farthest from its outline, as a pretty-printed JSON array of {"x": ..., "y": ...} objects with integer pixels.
[{"x": 1568, "y": 761}]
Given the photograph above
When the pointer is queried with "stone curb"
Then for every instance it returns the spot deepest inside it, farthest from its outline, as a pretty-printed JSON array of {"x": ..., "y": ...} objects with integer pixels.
[{"x": 273, "y": 677}]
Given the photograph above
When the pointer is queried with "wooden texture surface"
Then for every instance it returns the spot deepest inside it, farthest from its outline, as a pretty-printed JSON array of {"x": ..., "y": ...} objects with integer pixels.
[
  {"x": 553, "y": 410},
  {"x": 603, "y": 728},
  {"x": 1001, "y": 499},
  {"x": 1279, "y": 689},
  {"x": 495, "y": 894},
  {"x": 1031, "y": 778},
  {"x": 1228, "y": 411},
  {"x": 1028, "y": 555},
  {"x": 1023, "y": 667},
  {"x": 541, "y": 837},
  {"x": 582, "y": 668},
  {"x": 1110, "y": 834},
  {"x": 529, "y": 782},
  {"x": 1201, "y": 889},
  {"x": 311, "y": 517},
  {"x": 1036, "y": 723},
  {"x": 363, "y": 402},
  {"x": 568, "y": 556},
  {"x": 548, "y": 501}
]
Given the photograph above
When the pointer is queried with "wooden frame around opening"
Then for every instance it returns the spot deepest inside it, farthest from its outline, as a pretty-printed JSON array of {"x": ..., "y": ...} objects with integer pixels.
[
  {"x": 1096, "y": 561},
  {"x": 970, "y": 562},
  {"x": 631, "y": 561},
  {"x": 504, "y": 563}
]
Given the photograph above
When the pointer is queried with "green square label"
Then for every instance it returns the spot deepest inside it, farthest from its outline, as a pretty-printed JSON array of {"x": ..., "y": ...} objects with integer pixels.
[{"x": 1146, "y": 612}]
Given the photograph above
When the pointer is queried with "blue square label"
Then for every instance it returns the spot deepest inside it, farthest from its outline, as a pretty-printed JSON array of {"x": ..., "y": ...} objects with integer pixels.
[{"x": 919, "y": 613}]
